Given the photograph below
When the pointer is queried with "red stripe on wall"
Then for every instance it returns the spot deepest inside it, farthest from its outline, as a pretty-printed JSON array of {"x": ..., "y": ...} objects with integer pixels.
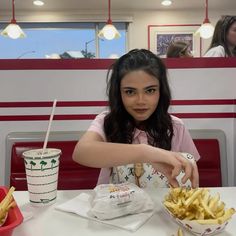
[
  {"x": 104, "y": 64},
  {"x": 49, "y": 104},
  {"x": 46, "y": 117},
  {"x": 197, "y": 62},
  {"x": 55, "y": 64},
  {"x": 92, "y": 116},
  {"x": 205, "y": 115},
  {"x": 105, "y": 103},
  {"x": 203, "y": 102}
]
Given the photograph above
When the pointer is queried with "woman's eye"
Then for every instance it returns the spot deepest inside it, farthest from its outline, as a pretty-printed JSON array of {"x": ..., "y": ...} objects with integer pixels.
[
  {"x": 129, "y": 92},
  {"x": 150, "y": 91}
]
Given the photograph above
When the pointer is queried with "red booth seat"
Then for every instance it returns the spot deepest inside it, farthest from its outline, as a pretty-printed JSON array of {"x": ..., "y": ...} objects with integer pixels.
[
  {"x": 210, "y": 144},
  {"x": 209, "y": 164},
  {"x": 71, "y": 174}
]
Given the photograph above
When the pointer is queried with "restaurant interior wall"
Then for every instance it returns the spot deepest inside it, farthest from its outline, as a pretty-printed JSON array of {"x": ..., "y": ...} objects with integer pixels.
[
  {"x": 28, "y": 88},
  {"x": 137, "y": 35}
]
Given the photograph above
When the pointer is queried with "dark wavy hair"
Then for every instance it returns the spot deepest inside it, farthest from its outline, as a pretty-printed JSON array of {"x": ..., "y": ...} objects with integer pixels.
[
  {"x": 119, "y": 125},
  {"x": 176, "y": 49},
  {"x": 220, "y": 34}
]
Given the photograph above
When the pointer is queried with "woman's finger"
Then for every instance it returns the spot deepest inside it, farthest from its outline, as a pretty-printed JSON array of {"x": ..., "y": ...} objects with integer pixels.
[
  {"x": 176, "y": 171},
  {"x": 166, "y": 170},
  {"x": 173, "y": 182},
  {"x": 195, "y": 176},
  {"x": 186, "y": 166}
]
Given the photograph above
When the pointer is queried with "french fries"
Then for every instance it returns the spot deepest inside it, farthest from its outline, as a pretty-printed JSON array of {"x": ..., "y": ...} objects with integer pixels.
[
  {"x": 197, "y": 205},
  {"x": 180, "y": 232},
  {"x": 5, "y": 205}
]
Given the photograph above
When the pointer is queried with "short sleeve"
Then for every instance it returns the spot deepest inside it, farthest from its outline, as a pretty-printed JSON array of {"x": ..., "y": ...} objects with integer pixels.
[
  {"x": 182, "y": 140},
  {"x": 97, "y": 125}
]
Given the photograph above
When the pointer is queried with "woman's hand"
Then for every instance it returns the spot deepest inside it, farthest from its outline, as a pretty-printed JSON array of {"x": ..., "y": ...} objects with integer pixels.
[{"x": 172, "y": 163}]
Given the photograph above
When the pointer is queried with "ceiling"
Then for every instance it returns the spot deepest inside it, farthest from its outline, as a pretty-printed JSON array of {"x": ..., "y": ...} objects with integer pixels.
[{"x": 66, "y": 5}]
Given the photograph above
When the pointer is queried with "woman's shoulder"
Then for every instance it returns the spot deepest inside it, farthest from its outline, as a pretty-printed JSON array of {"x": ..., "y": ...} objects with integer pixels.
[
  {"x": 176, "y": 121},
  {"x": 98, "y": 123},
  {"x": 102, "y": 115},
  {"x": 217, "y": 51},
  {"x": 178, "y": 124},
  {"x": 99, "y": 119}
]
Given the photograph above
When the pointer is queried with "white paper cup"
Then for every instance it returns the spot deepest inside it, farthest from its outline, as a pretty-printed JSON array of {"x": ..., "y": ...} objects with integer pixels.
[{"x": 42, "y": 175}]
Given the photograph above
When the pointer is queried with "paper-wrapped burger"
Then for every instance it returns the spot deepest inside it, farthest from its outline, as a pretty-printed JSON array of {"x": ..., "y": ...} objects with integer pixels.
[{"x": 116, "y": 200}]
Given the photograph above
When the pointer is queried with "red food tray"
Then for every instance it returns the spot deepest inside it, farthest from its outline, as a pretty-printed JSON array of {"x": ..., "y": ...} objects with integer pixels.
[{"x": 14, "y": 216}]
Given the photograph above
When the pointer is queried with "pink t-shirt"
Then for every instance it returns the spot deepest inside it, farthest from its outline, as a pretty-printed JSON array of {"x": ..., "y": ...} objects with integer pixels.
[{"x": 181, "y": 141}]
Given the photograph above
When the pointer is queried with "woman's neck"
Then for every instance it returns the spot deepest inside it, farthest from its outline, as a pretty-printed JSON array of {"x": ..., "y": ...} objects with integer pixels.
[{"x": 140, "y": 125}]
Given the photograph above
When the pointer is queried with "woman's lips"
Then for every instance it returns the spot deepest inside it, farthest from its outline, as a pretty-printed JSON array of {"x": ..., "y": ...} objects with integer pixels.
[{"x": 140, "y": 110}]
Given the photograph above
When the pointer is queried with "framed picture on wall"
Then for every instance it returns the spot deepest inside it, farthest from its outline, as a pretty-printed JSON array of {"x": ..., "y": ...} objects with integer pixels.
[{"x": 161, "y": 36}]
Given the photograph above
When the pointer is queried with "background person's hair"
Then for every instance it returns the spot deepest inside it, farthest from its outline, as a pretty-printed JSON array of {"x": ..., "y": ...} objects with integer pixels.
[
  {"x": 176, "y": 49},
  {"x": 119, "y": 125},
  {"x": 220, "y": 34}
]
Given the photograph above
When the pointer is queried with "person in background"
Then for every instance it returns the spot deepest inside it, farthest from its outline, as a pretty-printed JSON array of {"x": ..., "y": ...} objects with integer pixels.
[
  {"x": 137, "y": 140},
  {"x": 223, "y": 42},
  {"x": 178, "y": 49}
]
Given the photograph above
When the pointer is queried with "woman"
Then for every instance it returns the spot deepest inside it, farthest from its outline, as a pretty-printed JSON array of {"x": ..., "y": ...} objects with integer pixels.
[
  {"x": 223, "y": 42},
  {"x": 137, "y": 135}
]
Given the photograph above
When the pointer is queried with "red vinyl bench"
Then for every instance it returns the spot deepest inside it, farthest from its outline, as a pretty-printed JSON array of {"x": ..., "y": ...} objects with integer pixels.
[
  {"x": 212, "y": 166},
  {"x": 209, "y": 168},
  {"x": 71, "y": 174},
  {"x": 212, "y": 169}
]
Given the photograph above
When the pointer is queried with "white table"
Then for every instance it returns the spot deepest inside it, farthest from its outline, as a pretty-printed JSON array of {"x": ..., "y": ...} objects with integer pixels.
[{"x": 47, "y": 221}]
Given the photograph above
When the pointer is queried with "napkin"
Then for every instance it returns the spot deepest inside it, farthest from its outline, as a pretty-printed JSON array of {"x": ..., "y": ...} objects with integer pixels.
[{"x": 81, "y": 206}]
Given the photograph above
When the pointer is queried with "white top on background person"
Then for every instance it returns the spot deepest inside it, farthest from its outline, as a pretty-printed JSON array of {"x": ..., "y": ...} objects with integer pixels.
[
  {"x": 223, "y": 42},
  {"x": 217, "y": 51}
]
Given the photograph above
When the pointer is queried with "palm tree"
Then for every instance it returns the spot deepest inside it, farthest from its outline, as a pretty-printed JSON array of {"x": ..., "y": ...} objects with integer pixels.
[
  {"x": 53, "y": 161},
  {"x": 43, "y": 163},
  {"x": 32, "y": 163},
  {"x": 88, "y": 54}
]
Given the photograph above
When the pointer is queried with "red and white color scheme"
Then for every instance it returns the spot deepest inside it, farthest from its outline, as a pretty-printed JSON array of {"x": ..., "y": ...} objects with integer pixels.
[{"x": 203, "y": 95}]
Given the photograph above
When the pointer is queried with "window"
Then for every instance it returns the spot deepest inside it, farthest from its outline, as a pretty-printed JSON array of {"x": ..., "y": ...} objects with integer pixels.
[{"x": 65, "y": 40}]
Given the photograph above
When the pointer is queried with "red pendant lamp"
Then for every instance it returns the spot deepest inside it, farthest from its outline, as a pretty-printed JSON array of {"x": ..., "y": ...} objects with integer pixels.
[
  {"x": 109, "y": 31},
  {"x": 206, "y": 30},
  {"x": 13, "y": 30}
]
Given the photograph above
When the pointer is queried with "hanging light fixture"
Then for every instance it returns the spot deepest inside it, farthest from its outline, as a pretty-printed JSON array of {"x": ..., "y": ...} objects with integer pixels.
[
  {"x": 166, "y": 2},
  {"x": 13, "y": 30},
  {"x": 109, "y": 31},
  {"x": 206, "y": 30},
  {"x": 38, "y": 3}
]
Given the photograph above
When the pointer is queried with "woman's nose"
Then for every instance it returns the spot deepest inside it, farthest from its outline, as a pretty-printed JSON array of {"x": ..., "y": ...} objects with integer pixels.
[{"x": 140, "y": 98}]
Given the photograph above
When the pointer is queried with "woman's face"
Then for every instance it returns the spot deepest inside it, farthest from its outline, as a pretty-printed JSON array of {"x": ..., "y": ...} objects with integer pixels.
[
  {"x": 140, "y": 93},
  {"x": 231, "y": 35}
]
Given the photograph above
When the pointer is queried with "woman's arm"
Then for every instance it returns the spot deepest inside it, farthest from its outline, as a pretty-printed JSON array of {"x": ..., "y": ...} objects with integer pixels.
[{"x": 92, "y": 151}]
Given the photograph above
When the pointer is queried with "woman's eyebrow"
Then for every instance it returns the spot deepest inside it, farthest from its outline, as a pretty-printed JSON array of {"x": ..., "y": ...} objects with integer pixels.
[
  {"x": 152, "y": 86},
  {"x": 127, "y": 87},
  {"x": 148, "y": 87}
]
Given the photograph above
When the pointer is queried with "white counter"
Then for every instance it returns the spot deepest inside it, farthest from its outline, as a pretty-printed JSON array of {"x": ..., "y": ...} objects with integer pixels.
[{"x": 47, "y": 221}]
